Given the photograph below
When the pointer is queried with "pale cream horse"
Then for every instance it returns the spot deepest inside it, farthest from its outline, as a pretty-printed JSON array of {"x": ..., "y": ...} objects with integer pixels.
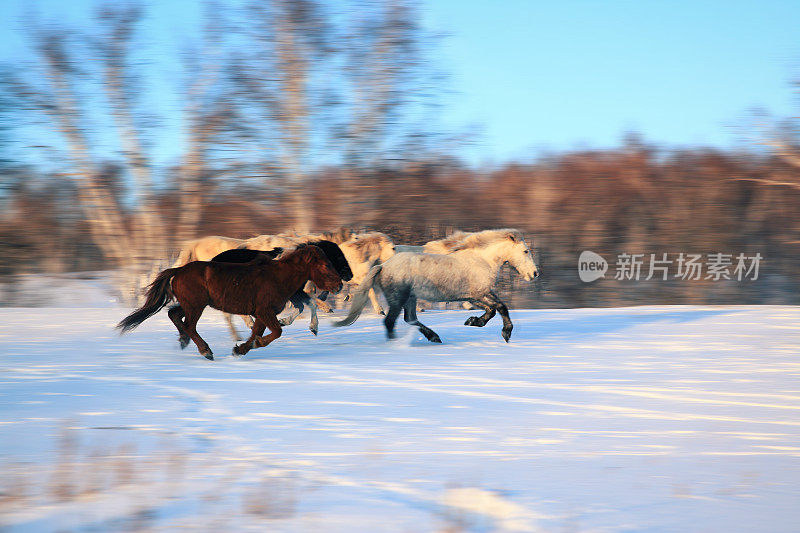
[
  {"x": 206, "y": 248},
  {"x": 363, "y": 251},
  {"x": 468, "y": 273}
]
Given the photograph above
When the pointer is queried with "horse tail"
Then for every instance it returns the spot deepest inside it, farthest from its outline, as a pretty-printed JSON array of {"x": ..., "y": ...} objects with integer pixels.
[
  {"x": 158, "y": 295},
  {"x": 360, "y": 298}
]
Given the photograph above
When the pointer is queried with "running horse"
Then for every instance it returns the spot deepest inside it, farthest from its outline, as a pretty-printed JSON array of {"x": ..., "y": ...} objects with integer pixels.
[
  {"x": 259, "y": 288},
  {"x": 467, "y": 274}
]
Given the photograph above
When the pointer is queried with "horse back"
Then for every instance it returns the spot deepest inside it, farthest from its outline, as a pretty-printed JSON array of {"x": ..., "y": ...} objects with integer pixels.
[{"x": 437, "y": 277}]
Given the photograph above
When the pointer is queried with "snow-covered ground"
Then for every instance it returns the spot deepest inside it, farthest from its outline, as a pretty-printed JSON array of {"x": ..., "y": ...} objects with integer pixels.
[{"x": 637, "y": 419}]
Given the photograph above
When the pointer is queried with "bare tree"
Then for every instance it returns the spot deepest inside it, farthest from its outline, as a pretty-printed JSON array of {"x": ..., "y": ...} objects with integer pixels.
[
  {"x": 384, "y": 74},
  {"x": 275, "y": 91},
  {"x": 324, "y": 87},
  {"x": 80, "y": 76}
]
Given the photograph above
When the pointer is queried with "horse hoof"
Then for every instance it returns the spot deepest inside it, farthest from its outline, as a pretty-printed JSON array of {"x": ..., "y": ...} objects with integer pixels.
[
  {"x": 436, "y": 339},
  {"x": 313, "y": 330},
  {"x": 184, "y": 341},
  {"x": 473, "y": 321},
  {"x": 506, "y": 334},
  {"x": 208, "y": 355},
  {"x": 283, "y": 322}
]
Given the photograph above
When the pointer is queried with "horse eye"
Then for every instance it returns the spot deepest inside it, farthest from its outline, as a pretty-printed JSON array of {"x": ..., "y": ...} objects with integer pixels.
[{"x": 527, "y": 251}]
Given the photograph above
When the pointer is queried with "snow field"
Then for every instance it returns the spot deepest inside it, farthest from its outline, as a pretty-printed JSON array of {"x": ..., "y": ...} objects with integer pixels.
[{"x": 634, "y": 419}]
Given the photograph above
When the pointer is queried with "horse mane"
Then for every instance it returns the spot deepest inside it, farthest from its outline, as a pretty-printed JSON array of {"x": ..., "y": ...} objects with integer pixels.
[
  {"x": 449, "y": 243},
  {"x": 487, "y": 237},
  {"x": 298, "y": 251},
  {"x": 338, "y": 237}
]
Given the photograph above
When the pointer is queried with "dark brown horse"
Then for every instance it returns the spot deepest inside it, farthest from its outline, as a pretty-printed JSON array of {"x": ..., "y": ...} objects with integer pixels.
[
  {"x": 259, "y": 288},
  {"x": 300, "y": 298}
]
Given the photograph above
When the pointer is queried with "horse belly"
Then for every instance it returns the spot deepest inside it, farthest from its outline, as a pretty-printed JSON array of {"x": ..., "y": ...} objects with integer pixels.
[
  {"x": 433, "y": 293},
  {"x": 446, "y": 289},
  {"x": 232, "y": 298},
  {"x": 443, "y": 284}
]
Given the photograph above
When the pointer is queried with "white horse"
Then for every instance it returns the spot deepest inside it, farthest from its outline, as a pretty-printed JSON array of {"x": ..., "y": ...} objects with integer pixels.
[
  {"x": 468, "y": 273},
  {"x": 439, "y": 246}
]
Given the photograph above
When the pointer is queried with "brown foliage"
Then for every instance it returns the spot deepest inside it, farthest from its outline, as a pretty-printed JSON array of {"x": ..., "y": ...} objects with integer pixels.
[{"x": 634, "y": 200}]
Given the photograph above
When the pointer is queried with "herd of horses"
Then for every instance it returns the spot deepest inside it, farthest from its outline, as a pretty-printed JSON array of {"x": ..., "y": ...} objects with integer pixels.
[{"x": 257, "y": 277}]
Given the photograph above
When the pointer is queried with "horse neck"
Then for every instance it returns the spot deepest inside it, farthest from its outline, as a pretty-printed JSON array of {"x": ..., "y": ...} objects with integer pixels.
[
  {"x": 297, "y": 273},
  {"x": 493, "y": 255}
]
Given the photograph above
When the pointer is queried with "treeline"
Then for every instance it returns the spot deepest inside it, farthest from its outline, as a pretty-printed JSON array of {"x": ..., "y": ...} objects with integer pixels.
[{"x": 632, "y": 200}]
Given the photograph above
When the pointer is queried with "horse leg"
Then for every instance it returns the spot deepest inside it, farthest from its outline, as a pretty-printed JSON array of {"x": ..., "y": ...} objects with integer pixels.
[
  {"x": 274, "y": 326},
  {"x": 503, "y": 310},
  {"x": 258, "y": 330},
  {"x": 410, "y": 316},
  {"x": 492, "y": 304},
  {"x": 376, "y": 305},
  {"x": 396, "y": 299},
  {"x": 311, "y": 290},
  {"x": 190, "y": 326},
  {"x": 231, "y": 327},
  {"x": 176, "y": 314},
  {"x": 391, "y": 318},
  {"x": 297, "y": 309},
  {"x": 480, "y": 321},
  {"x": 313, "y": 326},
  {"x": 322, "y": 305}
]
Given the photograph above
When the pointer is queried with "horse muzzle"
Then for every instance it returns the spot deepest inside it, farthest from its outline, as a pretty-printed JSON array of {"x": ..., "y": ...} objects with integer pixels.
[
  {"x": 530, "y": 277},
  {"x": 336, "y": 288}
]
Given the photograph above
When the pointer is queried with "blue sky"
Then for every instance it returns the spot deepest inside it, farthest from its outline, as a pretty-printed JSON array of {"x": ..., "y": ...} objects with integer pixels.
[
  {"x": 532, "y": 76},
  {"x": 570, "y": 74}
]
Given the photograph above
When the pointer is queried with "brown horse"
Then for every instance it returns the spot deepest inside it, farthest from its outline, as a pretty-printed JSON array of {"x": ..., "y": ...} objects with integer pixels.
[{"x": 259, "y": 288}]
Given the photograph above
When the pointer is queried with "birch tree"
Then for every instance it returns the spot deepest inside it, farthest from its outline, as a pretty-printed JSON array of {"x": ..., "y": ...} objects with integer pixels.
[
  {"x": 327, "y": 86},
  {"x": 88, "y": 90}
]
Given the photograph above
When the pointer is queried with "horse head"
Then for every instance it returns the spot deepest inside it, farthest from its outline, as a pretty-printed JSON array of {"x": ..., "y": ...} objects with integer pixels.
[
  {"x": 500, "y": 246},
  {"x": 520, "y": 256},
  {"x": 337, "y": 258},
  {"x": 321, "y": 270}
]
